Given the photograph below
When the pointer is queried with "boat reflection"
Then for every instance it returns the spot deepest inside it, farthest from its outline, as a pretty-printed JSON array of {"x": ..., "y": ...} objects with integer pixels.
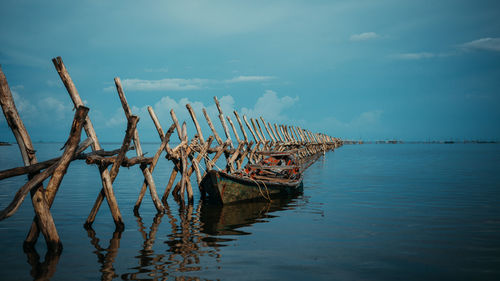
[
  {"x": 222, "y": 220},
  {"x": 196, "y": 235}
]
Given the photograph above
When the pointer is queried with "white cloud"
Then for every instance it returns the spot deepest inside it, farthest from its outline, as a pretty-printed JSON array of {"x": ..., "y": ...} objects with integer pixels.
[
  {"x": 490, "y": 44},
  {"x": 44, "y": 111},
  {"x": 55, "y": 109},
  {"x": 249, "y": 79},
  {"x": 180, "y": 84},
  {"x": 414, "y": 56},
  {"x": 270, "y": 107},
  {"x": 167, "y": 84},
  {"x": 364, "y": 36},
  {"x": 118, "y": 118},
  {"x": 165, "y": 104},
  {"x": 24, "y": 106}
]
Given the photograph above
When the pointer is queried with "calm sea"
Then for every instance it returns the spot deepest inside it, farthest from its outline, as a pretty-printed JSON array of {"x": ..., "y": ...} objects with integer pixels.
[{"x": 368, "y": 212}]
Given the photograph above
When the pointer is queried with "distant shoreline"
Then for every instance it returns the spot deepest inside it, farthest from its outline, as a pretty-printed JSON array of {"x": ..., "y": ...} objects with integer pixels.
[{"x": 420, "y": 142}]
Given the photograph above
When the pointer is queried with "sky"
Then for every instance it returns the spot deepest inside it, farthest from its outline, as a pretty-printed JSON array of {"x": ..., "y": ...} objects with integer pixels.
[{"x": 372, "y": 70}]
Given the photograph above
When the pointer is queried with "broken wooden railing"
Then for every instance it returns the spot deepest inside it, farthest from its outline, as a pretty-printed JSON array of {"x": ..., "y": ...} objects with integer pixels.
[{"x": 196, "y": 155}]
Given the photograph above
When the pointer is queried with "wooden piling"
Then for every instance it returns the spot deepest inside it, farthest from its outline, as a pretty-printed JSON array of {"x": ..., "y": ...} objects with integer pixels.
[
  {"x": 45, "y": 221},
  {"x": 107, "y": 190},
  {"x": 241, "y": 125},
  {"x": 71, "y": 147},
  {"x": 145, "y": 171}
]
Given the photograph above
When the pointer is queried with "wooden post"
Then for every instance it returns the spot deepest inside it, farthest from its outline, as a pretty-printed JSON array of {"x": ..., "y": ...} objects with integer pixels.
[
  {"x": 233, "y": 157},
  {"x": 290, "y": 132},
  {"x": 241, "y": 125},
  {"x": 211, "y": 125},
  {"x": 196, "y": 124},
  {"x": 184, "y": 154},
  {"x": 234, "y": 129},
  {"x": 224, "y": 125},
  {"x": 138, "y": 149},
  {"x": 297, "y": 137},
  {"x": 261, "y": 138},
  {"x": 251, "y": 157},
  {"x": 165, "y": 138},
  {"x": 267, "y": 129},
  {"x": 198, "y": 130},
  {"x": 251, "y": 130},
  {"x": 284, "y": 134},
  {"x": 56, "y": 170},
  {"x": 196, "y": 161},
  {"x": 60, "y": 170},
  {"x": 107, "y": 190},
  {"x": 131, "y": 125},
  {"x": 180, "y": 164},
  {"x": 245, "y": 153},
  {"x": 275, "y": 138},
  {"x": 277, "y": 133},
  {"x": 302, "y": 139},
  {"x": 44, "y": 217},
  {"x": 306, "y": 135},
  {"x": 164, "y": 143}
]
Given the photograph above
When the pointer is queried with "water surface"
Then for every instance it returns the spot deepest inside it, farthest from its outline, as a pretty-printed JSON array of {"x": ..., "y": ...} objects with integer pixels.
[{"x": 368, "y": 212}]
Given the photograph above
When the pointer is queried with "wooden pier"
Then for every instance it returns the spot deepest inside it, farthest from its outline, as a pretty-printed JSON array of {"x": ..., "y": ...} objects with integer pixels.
[{"x": 196, "y": 155}]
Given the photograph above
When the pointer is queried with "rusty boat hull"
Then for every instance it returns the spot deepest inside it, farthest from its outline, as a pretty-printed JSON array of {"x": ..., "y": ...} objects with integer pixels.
[{"x": 225, "y": 188}]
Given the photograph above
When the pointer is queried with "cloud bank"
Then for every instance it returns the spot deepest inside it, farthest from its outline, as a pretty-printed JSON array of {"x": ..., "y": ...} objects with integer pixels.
[
  {"x": 180, "y": 84},
  {"x": 363, "y": 36},
  {"x": 269, "y": 105},
  {"x": 167, "y": 84},
  {"x": 414, "y": 56},
  {"x": 240, "y": 79},
  {"x": 489, "y": 44}
]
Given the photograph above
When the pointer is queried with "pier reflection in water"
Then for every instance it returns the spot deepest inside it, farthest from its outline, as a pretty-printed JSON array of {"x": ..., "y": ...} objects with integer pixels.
[
  {"x": 42, "y": 270},
  {"x": 192, "y": 243}
]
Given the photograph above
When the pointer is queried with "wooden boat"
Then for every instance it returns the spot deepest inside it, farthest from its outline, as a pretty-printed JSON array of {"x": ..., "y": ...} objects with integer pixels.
[
  {"x": 275, "y": 175},
  {"x": 227, "y": 188}
]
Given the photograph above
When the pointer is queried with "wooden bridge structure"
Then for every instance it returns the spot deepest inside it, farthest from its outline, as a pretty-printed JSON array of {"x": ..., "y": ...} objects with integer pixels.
[{"x": 196, "y": 155}]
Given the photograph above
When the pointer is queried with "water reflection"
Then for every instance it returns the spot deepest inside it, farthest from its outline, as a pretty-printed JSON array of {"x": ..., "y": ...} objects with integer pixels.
[
  {"x": 195, "y": 238},
  {"x": 227, "y": 219},
  {"x": 42, "y": 270},
  {"x": 194, "y": 241},
  {"x": 106, "y": 256},
  {"x": 185, "y": 246}
]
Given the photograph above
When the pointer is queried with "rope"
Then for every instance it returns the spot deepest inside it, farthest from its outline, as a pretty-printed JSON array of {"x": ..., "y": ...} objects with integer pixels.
[
  {"x": 268, "y": 198},
  {"x": 206, "y": 157}
]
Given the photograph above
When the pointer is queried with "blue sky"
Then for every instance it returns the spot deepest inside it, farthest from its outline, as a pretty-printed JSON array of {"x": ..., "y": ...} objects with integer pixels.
[{"x": 411, "y": 70}]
